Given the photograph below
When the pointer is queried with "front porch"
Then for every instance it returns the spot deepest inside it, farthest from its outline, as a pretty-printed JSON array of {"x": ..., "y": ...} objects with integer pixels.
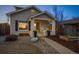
[
  {"x": 42, "y": 24},
  {"x": 43, "y": 27}
]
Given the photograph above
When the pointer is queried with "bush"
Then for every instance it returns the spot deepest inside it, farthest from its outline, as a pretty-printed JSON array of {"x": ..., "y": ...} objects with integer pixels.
[
  {"x": 24, "y": 34},
  {"x": 11, "y": 38}
]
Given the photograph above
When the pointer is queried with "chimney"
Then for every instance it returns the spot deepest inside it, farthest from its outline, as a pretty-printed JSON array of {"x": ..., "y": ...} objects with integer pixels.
[{"x": 17, "y": 8}]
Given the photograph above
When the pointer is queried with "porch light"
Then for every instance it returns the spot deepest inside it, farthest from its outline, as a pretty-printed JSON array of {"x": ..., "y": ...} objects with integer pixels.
[
  {"x": 50, "y": 20},
  {"x": 35, "y": 24},
  {"x": 33, "y": 11}
]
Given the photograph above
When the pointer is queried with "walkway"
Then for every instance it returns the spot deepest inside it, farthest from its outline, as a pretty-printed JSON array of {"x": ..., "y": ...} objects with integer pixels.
[
  {"x": 45, "y": 47},
  {"x": 49, "y": 46}
]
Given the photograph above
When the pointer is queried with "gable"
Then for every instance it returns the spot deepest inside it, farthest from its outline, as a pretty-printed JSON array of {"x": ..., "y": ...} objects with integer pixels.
[
  {"x": 18, "y": 8},
  {"x": 31, "y": 10},
  {"x": 43, "y": 15},
  {"x": 24, "y": 9},
  {"x": 25, "y": 14}
]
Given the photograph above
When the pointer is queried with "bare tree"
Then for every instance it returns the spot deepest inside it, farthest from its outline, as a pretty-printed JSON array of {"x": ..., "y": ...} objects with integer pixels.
[
  {"x": 55, "y": 11},
  {"x": 59, "y": 17},
  {"x": 58, "y": 14}
]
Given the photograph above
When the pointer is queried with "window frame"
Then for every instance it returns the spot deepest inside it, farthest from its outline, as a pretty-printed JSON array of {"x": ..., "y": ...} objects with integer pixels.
[{"x": 23, "y": 29}]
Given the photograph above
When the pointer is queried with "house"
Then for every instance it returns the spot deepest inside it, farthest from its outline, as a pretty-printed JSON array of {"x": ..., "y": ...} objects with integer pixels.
[
  {"x": 27, "y": 20},
  {"x": 71, "y": 26}
]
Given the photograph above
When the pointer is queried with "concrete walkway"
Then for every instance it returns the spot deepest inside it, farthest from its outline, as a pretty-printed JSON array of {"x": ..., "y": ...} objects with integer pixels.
[
  {"x": 58, "y": 47},
  {"x": 45, "y": 47}
]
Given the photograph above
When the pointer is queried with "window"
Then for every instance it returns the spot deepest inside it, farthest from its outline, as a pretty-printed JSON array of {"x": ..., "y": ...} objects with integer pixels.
[
  {"x": 33, "y": 11},
  {"x": 16, "y": 25},
  {"x": 23, "y": 26}
]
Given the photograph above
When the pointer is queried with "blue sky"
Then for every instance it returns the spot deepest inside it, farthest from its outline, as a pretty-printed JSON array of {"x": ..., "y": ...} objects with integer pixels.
[{"x": 69, "y": 11}]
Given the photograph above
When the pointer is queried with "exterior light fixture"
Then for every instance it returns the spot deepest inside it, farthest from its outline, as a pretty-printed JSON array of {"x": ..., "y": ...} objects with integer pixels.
[{"x": 35, "y": 24}]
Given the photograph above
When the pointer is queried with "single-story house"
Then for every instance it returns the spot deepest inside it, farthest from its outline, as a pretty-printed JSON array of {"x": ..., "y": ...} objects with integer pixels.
[
  {"x": 27, "y": 20},
  {"x": 71, "y": 26}
]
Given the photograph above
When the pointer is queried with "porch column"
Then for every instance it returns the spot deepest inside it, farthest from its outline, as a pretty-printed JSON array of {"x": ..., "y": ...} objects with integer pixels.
[
  {"x": 32, "y": 27},
  {"x": 53, "y": 31}
]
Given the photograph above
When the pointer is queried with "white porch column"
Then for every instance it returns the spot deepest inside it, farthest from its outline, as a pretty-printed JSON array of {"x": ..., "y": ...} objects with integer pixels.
[
  {"x": 32, "y": 28},
  {"x": 53, "y": 31}
]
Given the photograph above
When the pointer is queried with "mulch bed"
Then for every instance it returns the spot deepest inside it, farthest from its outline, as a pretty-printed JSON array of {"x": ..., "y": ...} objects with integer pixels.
[{"x": 73, "y": 45}]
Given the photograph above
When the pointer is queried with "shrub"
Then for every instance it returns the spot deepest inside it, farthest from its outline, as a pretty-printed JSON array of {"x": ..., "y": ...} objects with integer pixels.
[
  {"x": 11, "y": 38},
  {"x": 24, "y": 34}
]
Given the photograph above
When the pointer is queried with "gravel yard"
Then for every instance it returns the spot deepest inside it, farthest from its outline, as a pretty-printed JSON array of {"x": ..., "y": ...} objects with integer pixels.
[
  {"x": 24, "y": 46},
  {"x": 21, "y": 46}
]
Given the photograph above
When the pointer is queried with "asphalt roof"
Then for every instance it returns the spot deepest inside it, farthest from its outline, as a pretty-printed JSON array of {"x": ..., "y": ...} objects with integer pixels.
[
  {"x": 71, "y": 21},
  {"x": 44, "y": 12}
]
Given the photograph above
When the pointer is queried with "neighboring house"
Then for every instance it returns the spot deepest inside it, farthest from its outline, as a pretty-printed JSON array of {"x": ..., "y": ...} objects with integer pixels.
[
  {"x": 71, "y": 27},
  {"x": 26, "y": 20}
]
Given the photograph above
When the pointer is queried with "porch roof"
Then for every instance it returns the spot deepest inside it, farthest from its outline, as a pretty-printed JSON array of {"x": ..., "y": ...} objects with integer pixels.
[{"x": 46, "y": 13}]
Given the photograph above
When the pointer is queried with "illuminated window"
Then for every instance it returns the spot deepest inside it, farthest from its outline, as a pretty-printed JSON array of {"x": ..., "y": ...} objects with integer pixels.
[{"x": 23, "y": 26}]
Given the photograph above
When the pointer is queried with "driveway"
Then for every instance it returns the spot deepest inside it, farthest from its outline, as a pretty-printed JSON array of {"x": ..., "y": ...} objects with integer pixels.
[{"x": 22, "y": 46}]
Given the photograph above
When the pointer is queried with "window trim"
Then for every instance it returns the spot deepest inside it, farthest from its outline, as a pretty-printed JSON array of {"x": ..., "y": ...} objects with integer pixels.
[{"x": 24, "y": 22}]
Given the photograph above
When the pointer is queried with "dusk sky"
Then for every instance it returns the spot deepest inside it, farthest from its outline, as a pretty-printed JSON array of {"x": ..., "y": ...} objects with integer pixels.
[{"x": 69, "y": 11}]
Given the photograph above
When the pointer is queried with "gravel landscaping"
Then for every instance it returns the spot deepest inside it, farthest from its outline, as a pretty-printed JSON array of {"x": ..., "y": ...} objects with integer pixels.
[
  {"x": 21, "y": 46},
  {"x": 25, "y": 46}
]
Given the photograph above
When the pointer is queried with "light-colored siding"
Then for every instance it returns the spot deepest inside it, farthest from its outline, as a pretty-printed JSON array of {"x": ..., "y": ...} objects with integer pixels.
[{"x": 20, "y": 16}]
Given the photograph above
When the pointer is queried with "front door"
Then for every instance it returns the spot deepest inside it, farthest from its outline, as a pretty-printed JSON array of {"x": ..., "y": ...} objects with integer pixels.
[{"x": 41, "y": 27}]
